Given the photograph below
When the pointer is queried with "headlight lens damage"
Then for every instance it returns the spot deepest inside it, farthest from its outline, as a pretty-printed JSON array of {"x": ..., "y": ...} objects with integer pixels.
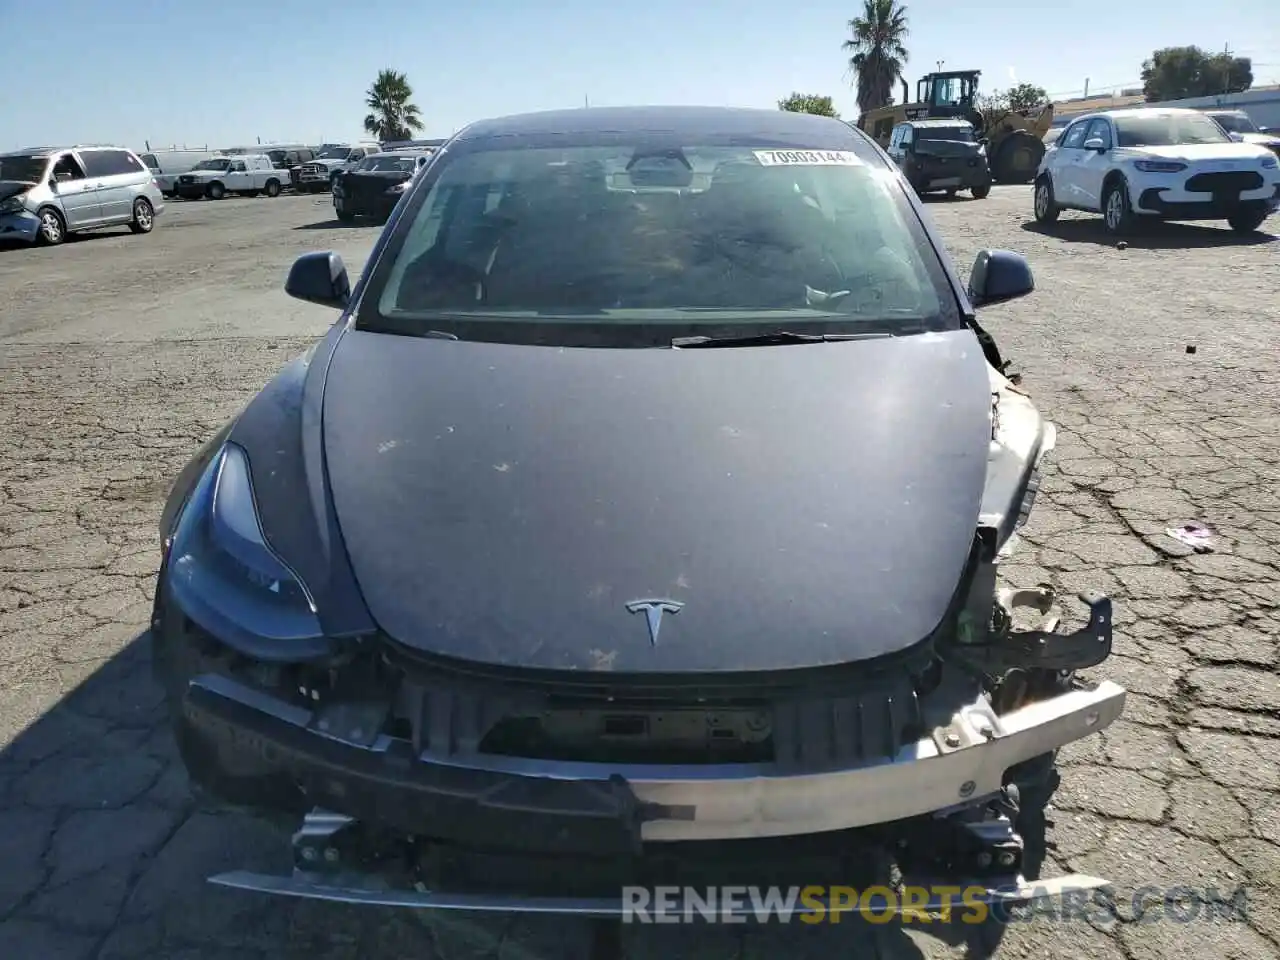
[{"x": 223, "y": 573}]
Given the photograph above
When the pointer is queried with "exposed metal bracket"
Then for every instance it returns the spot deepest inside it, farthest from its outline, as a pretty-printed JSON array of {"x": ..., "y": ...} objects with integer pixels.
[
  {"x": 315, "y": 848},
  {"x": 1044, "y": 649}
]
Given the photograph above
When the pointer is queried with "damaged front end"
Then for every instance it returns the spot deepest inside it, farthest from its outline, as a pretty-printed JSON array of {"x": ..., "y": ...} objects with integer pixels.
[{"x": 428, "y": 782}]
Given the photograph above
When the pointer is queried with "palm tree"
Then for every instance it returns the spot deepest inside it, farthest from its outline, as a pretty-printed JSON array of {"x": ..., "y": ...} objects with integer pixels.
[
  {"x": 876, "y": 52},
  {"x": 394, "y": 116}
]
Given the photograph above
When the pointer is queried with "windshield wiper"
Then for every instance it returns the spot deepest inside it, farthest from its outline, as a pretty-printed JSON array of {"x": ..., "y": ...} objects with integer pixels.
[{"x": 779, "y": 338}]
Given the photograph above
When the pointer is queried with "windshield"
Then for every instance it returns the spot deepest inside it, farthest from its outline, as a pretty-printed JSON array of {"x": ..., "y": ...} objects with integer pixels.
[
  {"x": 217, "y": 164},
  {"x": 954, "y": 134},
  {"x": 1235, "y": 122},
  {"x": 333, "y": 153},
  {"x": 23, "y": 169},
  {"x": 614, "y": 246},
  {"x": 1168, "y": 130},
  {"x": 401, "y": 164}
]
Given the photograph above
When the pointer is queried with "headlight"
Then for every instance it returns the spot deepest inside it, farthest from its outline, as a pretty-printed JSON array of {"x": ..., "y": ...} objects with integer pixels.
[
  {"x": 14, "y": 205},
  {"x": 401, "y": 187},
  {"x": 1159, "y": 166},
  {"x": 1269, "y": 163},
  {"x": 225, "y": 576}
]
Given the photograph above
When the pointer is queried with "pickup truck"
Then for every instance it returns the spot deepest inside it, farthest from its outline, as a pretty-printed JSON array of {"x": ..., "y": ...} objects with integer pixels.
[
  {"x": 247, "y": 175},
  {"x": 319, "y": 174}
]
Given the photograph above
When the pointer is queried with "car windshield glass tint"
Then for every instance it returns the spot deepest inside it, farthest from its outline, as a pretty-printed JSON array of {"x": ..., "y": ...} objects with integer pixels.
[
  {"x": 334, "y": 153},
  {"x": 212, "y": 165},
  {"x": 632, "y": 245},
  {"x": 404, "y": 164},
  {"x": 23, "y": 169},
  {"x": 960, "y": 134},
  {"x": 1168, "y": 130},
  {"x": 1235, "y": 122}
]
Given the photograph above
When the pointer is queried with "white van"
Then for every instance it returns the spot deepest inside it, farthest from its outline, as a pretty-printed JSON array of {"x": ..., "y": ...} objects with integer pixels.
[{"x": 166, "y": 165}]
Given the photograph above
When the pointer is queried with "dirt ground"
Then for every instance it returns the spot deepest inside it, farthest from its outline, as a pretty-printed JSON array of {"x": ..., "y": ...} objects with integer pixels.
[{"x": 119, "y": 355}]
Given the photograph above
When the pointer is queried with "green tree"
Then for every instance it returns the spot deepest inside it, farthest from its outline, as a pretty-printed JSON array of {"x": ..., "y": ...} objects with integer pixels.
[
  {"x": 1176, "y": 73},
  {"x": 809, "y": 103},
  {"x": 1024, "y": 96},
  {"x": 394, "y": 115},
  {"x": 877, "y": 51}
]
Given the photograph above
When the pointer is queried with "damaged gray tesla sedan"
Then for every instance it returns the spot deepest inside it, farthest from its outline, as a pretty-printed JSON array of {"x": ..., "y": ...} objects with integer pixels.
[{"x": 639, "y": 517}]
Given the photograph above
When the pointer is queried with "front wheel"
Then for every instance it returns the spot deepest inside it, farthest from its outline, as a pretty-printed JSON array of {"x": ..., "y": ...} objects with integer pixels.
[
  {"x": 144, "y": 217},
  {"x": 216, "y": 191},
  {"x": 1117, "y": 213},
  {"x": 981, "y": 193},
  {"x": 1247, "y": 221},
  {"x": 53, "y": 229},
  {"x": 1046, "y": 208}
]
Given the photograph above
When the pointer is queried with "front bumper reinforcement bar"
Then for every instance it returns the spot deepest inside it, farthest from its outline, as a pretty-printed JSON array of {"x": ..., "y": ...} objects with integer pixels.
[{"x": 350, "y": 891}]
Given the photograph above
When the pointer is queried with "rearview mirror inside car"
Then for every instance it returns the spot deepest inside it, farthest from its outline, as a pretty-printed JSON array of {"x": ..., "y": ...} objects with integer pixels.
[
  {"x": 999, "y": 275},
  {"x": 319, "y": 278},
  {"x": 1096, "y": 143}
]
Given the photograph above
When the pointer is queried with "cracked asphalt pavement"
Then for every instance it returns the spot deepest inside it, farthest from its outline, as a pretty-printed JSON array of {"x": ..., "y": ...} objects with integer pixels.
[{"x": 120, "y": 355}]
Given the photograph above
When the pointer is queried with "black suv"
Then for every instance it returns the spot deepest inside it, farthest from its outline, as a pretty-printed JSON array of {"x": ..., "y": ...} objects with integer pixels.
[{"x": 941, "y": 155}]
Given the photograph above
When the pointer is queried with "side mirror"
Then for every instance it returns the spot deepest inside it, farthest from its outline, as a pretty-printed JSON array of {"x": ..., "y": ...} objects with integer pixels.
[
  {"x": 1096, "y": 144},
  {"x": 1238, "y": 138},
  {"x": 999, "y": 275},
  {"x": 319, "y": 278}
]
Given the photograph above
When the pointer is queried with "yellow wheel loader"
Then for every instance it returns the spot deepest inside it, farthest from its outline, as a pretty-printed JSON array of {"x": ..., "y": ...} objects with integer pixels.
[{"x": 1015, "y": 139}]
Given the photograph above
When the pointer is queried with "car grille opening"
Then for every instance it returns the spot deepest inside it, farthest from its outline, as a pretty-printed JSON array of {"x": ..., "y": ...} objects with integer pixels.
[
  {"x": 1233, "y": 182},
  {"x": 588, "y": 734}
]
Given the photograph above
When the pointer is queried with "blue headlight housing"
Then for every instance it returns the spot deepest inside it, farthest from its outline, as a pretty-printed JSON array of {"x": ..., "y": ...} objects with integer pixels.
[{"x": 227, "y": 579}]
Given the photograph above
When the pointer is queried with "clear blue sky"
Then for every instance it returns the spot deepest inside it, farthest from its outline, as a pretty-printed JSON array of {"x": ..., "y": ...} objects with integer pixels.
[{"x": 230, "y": 71}]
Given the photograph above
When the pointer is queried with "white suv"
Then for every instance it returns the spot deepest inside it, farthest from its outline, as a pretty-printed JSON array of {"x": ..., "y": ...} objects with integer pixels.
[{"x": 1166, "y": 164}]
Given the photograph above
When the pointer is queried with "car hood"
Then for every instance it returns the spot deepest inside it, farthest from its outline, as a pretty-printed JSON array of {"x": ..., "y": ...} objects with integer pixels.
[
  {"x": 947, "y": 148},
  {"x": 1201, "y": 152},
  {"x": 12, "y": 188},
  {"x": 807, "y": 504},
  {"x": 1268, "y": 140}
]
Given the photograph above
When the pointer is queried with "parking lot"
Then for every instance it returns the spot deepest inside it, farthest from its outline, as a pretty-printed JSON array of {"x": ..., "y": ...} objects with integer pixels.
[{"x": 121, "y": 354}]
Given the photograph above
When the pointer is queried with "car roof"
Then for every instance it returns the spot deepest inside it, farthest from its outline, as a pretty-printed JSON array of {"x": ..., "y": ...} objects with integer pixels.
[
  {"x": 1137, "y": 113},
  {"x": 786, "y": 129},
  {"x": 50, "y": 151}
]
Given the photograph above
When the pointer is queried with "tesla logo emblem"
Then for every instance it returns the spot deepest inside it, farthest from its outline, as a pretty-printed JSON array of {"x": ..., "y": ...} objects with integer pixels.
[{"x": 653, "y": 611}]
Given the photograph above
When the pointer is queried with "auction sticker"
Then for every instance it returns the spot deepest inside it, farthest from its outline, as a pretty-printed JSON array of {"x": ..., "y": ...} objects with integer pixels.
[{"x": 807, "y": 158}]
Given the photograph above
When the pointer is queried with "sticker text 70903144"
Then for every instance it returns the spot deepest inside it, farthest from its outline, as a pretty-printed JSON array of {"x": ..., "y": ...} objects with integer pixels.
[{"x": 807, "y": 158}]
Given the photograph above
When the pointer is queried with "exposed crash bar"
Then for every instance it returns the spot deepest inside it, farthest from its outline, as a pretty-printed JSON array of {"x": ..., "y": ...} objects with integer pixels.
[
  {"x": 303, "y": 887},
  {"x": 711, "y": 802}
]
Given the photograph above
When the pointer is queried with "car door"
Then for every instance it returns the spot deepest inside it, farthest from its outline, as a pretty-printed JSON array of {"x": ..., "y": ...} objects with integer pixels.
[
  {"x": 1092, "y": 167},
  {"x": 893, "y": 148},
  {"x": 1066, "y": 164},
  {"x": 109, "y": 177},
  {"x": 124, "y": 177},
  {"x": 238, "y": 176},
  {"x": 906, "y": 139},
  {"x": 77, "y": 194}
]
